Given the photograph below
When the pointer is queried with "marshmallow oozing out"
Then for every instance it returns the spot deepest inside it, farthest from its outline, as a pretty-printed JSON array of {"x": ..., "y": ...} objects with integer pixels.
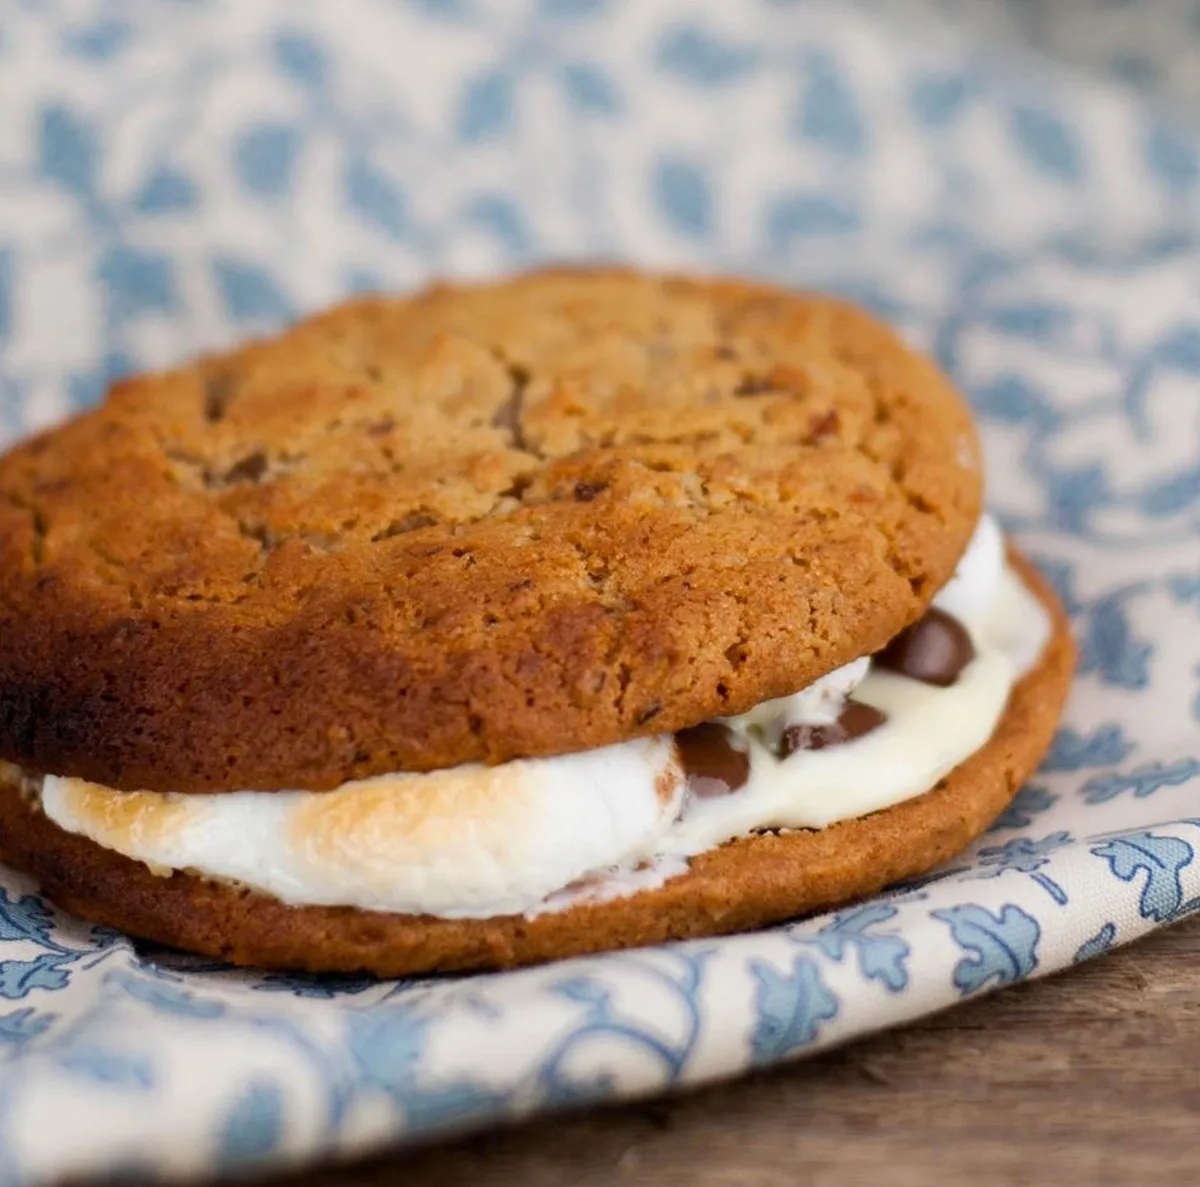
[{"x": 473, "y": 841}]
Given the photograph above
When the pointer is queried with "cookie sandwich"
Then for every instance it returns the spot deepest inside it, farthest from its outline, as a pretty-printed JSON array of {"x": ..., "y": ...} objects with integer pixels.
[{"x": 507, "y": 622}]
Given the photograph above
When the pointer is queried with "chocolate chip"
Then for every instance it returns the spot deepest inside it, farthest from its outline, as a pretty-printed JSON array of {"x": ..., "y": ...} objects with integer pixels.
[
  {"x": 248, "y": 469},
  {"x": 753, "y": 385},
  {"x": 854, "y": 720},
  {"x": 219, "y": 386},
  {"x": 858, "y": 718},
  {"x": 585, "y": 492},
  {"x": 934, "y": 650},
  {"x": 381, "y": 428},
  {"x": 711, "y": 762},
  {"x": 825, "y": 425}
]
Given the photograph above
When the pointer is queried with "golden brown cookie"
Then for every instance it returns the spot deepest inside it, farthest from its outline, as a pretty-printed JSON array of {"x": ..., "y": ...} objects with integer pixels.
[
  {"x": 744, "y": 884},
  {"x": 478, "y": 523}
]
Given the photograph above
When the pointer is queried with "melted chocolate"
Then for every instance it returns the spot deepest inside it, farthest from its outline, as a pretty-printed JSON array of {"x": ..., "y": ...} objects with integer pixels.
[
  {"x": 711, "y": 762},
  {"x": 854, "y": 720},
  {"x": 934, "y": 650}
]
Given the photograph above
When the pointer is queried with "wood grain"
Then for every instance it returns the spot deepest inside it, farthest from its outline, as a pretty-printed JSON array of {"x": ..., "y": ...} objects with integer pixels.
[{"x": 1090, "y": 1077}]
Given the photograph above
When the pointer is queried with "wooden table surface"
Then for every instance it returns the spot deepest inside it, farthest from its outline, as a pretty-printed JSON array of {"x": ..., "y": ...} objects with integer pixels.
[{"x": 1090, "y": 1077}]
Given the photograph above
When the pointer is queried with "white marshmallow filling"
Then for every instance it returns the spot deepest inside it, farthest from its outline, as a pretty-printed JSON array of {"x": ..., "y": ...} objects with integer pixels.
[{"x": 542, "y": 834}]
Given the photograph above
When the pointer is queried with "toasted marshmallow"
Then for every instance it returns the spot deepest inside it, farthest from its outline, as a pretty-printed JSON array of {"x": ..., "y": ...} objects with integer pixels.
[{"x": 466, "y": 842}]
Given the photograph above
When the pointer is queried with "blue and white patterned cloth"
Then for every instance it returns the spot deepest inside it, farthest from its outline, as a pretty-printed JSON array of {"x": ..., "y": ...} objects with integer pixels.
[{"x": 176, "y": 173}]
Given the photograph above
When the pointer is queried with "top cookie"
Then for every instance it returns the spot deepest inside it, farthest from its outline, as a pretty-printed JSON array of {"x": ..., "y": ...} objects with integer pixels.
[{"x": 480, "y": 522}]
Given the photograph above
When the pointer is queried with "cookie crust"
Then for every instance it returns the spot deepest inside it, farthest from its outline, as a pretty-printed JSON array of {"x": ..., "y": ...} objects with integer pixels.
[
  {"x": 476, "y": 523},
  {"x": 744, "y": 884}
]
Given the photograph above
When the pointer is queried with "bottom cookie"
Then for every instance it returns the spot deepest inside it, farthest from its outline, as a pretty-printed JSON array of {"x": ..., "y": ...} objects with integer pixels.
[{"x": 747, "y": 883}]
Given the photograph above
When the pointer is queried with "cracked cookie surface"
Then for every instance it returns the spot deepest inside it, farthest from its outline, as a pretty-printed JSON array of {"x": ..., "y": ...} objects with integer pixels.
[{"x": 479, "y": 522}]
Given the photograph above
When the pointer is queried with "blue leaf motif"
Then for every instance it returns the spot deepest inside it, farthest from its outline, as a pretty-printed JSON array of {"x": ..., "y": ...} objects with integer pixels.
[
  {"x": 360, "y": 280},
  {"x": 1013, "y": 399},
  {"x": 1171, "y": 158},
  {"x": 799, "y": 216},
  {"x": 1023, "y": 853},
  {"x": 586, "y": 990},
  {"x": 166, "y": 191},
  {"x": 1004, "y": 945},
  {"x": 100, "y": 41},
  {"x": 1172, "y": 494},
  {"x": 386, "y": 1045},
  {"x": 1029, "y": 802},
  {"x": 1026, "y": 856},
  {"x": 485, "y": 108},
  {"x": 447, "y": 9},
  {"x": 137, "y": 282},
  {"x": 7, "y": 270},
  {"x": 26, "y": 918},
  {"x": 1179, "y": 350},
  {"x": 560, "y": 1084},
  {"x": 1109, "y": 647},
  {"x": 301, "y": 58},
  {"x": 67, "y": 150},
  {"x": 702, "y": 58},
  {"x": 939, "y": 99},
  {"x": 573, "y": 9},
  {"x": 1101, "y": 942},
  {"x": 165, "y": 998},
  {"x": 1048, "y": 143},
  {"x": 1135, "y": 69},
  {"x": 1142, "y": 782},
  {"x": 590, "y": 88},
  {"x": 1038, "y": 321},
  {"x": 683, "y": 195},
  {"x": 789, "y": 1009},
  {"x": 253, "y": 1126},
  {"x": 502, "y": 218},
  {"x": 828, "y": 114},
  {"x": 1073, "y": 751},
  {"x": 1161, "y": 858},
  {"x": 19, "y": 977},
  {"x": 880, "y": 957},
  {"x": 1074, "y": 493},
  {"x": 113, "y": 1069},
  {"x": 21, "y": 1026},
  {"x": 373, "y": 195},
  {"x": 13, "y": 403},
  {"x": 1184, "y": 588},
  {"x": 248, "y": 292},
  {"x": 264, "y": 158}
]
